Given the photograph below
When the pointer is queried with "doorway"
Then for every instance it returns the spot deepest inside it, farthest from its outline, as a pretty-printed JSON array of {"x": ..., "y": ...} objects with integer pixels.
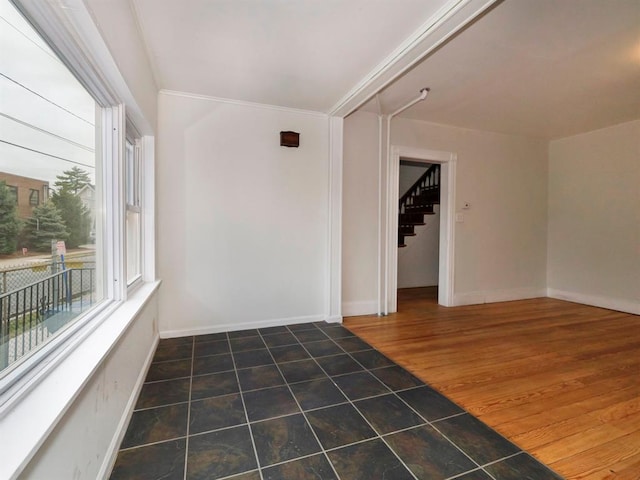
[{"x": 447, "y": 160}]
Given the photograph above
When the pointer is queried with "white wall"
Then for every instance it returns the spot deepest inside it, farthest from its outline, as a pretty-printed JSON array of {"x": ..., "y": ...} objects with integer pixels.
[
  {"x": 360, "y": 215},
  {"x": 501, "y": 245},
  {"x": 242, "y": 221},
  {"x": 594, "y": 218},
  {"x": 83, "y": 441}
]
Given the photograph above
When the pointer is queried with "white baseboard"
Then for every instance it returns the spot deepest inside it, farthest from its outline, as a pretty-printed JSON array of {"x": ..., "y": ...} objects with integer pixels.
[
  {"x": 112, "y": 450},
  {"x": 353, "y": 309},
  {"x": 231, "y": 327},
  {"x": 493, "y": 296},
  {"x": 620, "y": 305}
]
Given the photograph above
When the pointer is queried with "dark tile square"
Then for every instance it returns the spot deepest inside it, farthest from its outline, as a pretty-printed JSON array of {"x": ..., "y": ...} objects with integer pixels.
[
  {"x": 372, "y": 359},
  {"x": 428, "y": 454},
  {"x": 169, "y": 370},
  {"x": 255, "y": 378},
  {"x": 323, "y": 348},
  {"x": 253, "y": 332},
  {"x": 299, "y": 327},
  {"x": 176, "y": 341},
  {"x": 476, "y": 439},
  {"x": 214, "y": 385},
  {"x": 339, "y": 364},
  {"x": 166, "y": 352},
  {"x": 273, "y": 330},
  {"x": 211, "y": 337},
  {"x": 280, "y": 340},
  {"x": 397, "y": 378},
  {"x": 167, "y": 392},
  {"x": 352, "y": 344},
  {"x": 246, "y": 343},
  {"x": 315, "y": 467},
  {"x": 307, "y": 336},
  {"x": 317, "y": 393},
  {"x": 253, "y": 358},
  {"x": 301, "y": 370},
  {"x": 360, "y": 385},
  {"x": 204, "y": 349},
  {"x": 285, "y": 438},
  {"x": 339, "y": 425},
  {"x": 269, "y": 402},
  {"x": 338, "y": 332},
  {"x": 156, "y": 425},
  {"x": 220, "y": 454},
  {"x": 288, "y": 353},
  {"x": 429, "y": 403},
  {"x": 162, "y": 460},
  {"x": 215, "y": 413},
  {"x": 521, "y": 467},
  {"x": 368, "y": 460},
  {"x": 212, "y": 364},
  {"x": 387, "y": 413}
]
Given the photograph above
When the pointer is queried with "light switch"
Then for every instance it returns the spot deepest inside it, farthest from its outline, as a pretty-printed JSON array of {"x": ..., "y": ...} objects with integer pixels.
[{"x": 459, "y": 217}]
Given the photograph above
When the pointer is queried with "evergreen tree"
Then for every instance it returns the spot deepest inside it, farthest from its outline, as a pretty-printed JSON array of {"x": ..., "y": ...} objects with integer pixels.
[
  {"x": 72, "y": 180},
  {"x": 10, "y": 224},
  {"x": 45, "y": 225},
  {"x": 76, "y": 217}
]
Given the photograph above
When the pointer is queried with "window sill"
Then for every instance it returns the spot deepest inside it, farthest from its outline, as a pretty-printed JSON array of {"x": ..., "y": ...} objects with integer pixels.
[{"x": 33, "y": 411}]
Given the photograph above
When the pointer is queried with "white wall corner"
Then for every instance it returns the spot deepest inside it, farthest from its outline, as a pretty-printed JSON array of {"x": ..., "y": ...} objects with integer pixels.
[
  {"x": 334, "y": 234},
  {"x": 620, "y": 305}
]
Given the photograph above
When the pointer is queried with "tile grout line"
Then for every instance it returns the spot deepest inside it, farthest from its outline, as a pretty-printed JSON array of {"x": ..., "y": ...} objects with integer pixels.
[
  {"x": 349, "y": 401},
  {"x": 246, "y": 413},
  {"x": 186, "y": 441},
  {"x": 322, "y": 450}
]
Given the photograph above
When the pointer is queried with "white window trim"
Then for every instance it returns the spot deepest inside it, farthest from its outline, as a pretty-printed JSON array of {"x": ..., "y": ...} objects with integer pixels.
[{"x": 34, "y": 402}]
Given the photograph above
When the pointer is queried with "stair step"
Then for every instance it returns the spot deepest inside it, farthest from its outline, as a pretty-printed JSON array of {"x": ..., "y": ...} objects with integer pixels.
[{"x": 400, "y": 245}]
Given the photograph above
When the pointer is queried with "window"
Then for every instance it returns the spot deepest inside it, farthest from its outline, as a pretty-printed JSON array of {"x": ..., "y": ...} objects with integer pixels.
[
  {"x": 133, "y": 217},
  {"x": 48, "y": 132},
  {"x": 13, "y": 191},
  {"x": 34, "y": 197}
]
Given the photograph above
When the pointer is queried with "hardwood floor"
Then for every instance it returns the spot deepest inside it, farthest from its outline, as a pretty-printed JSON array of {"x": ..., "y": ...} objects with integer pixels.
[{"x": 559, "y": 379}]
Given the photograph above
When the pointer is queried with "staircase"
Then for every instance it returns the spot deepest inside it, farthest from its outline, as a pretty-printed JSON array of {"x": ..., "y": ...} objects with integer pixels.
[{"x": 418, "y": 202}]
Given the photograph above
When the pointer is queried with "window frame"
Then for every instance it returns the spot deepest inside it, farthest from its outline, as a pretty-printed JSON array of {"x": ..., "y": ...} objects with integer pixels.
[
  {"x": 33, "y": 191},
  {"x": 71, "y": 34}
]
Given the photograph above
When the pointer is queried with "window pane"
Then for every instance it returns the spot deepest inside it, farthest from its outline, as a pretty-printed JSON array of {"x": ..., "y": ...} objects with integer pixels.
[
  {"x": 133, "y": 217},
  {"x": 48, "y": 272}
]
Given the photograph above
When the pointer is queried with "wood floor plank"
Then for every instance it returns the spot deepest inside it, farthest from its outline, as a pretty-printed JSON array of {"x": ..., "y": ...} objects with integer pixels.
[{"x": 561, "y": 380}]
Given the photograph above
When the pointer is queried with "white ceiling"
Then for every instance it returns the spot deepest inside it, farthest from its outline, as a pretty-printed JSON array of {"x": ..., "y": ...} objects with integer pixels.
[
  {"x": 546, "y": 68},
  {"x": 304, "y": 54}
]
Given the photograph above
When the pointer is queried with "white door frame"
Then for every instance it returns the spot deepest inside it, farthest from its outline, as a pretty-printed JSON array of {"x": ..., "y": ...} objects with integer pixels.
[{"x": 447, "y": 160}]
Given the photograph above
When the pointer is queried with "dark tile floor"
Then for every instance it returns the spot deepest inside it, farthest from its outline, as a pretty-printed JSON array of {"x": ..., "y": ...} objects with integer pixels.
[{"x": 308, "y": 401}]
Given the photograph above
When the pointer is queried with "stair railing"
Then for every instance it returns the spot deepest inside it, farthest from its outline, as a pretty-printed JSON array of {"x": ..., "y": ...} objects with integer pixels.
[{"x": 429, "y": 180}]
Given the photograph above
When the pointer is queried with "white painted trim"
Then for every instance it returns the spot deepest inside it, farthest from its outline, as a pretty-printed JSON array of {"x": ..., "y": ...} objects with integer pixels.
[
  {"x": 241, "y": 103},
  {"x": 494, "y": 296},
  {"x": 71, "y": 32},
  {"x": 438, "y": 29},
  {"x": 354, "y": 309},
  {"x": 333, "y": 285},
  {"x": 446, "y": 276},
  {"x": 232, "y": 327},
  {"x": 48, "y": 396},
  {"x": 112, "y": 450},
  {"x": 618, "y": 304},
  {"x": 148, "y": 209}
]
